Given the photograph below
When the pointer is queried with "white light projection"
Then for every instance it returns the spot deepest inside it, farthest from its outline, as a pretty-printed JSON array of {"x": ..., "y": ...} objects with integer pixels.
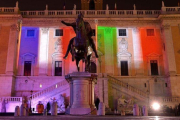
[
  {"x": 43, "y": 50},
  {"x": 137, "y": 48}
]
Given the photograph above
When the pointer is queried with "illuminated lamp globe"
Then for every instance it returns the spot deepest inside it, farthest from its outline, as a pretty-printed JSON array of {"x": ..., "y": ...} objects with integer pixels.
[{"x": 156, "y": 106}]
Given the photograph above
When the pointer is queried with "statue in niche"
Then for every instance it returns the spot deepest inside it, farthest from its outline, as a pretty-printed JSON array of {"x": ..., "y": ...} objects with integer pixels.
[
  {"x": 61, "y": 103},
  {"x": 123, "y": 45},
  {"x": 58, "y": 46}
]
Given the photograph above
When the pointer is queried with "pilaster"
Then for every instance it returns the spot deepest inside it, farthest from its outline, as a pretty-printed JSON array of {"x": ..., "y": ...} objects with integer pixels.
[
  {"x": 169, "y": 50},
  {"x": 12, "y": 50}
]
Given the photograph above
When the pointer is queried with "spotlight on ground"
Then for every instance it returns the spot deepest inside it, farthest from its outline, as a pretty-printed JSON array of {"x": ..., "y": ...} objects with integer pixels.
[{"x": 156, "y": 106}]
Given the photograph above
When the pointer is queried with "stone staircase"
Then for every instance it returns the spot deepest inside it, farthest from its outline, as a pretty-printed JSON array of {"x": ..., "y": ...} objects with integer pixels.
[
  {"x": 49, "y": 93},
  {"x": 139, "y": 94},
  {"x": 127, "y": 89}
]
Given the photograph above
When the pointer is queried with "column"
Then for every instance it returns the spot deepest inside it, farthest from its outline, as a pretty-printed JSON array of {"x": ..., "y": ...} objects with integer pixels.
[
  {"x": 12, "y": 50},
  {"x": 137, "y": 48},
  {"x": 169, "y": 50},
  {"x": 43, "y": 51}
]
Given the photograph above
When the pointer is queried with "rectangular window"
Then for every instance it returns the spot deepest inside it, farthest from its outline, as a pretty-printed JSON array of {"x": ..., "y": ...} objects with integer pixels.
[
  {"x": 124, "y": 68},
  {"x": 27, "y": 68},
  {"x": 144, "y": 84},
  {"x": 154, "y": 67},
  {"x": 30, "y": 33},
  {"x": 150, "y": 32},
  {"x": 122, "y": 32},
  {"x": 59, "y": 32},
  {"x": 58, "y": 68}
]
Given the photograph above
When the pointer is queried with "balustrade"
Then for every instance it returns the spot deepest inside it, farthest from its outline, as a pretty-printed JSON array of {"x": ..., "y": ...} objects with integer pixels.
[
  {"x": 47, "y": 90},
  {"x": 127, "y": 86},
  {"x": 89, "y": 13},
  {"x": 11, "y": 99}
]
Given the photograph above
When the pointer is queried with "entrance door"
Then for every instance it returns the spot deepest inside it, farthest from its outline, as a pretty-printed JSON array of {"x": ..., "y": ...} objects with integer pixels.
[
  {"x": 124, "y": 68},
  {"x": 154, "y": 67}
]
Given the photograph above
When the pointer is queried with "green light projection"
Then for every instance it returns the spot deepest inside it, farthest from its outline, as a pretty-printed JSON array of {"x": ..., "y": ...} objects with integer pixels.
[{"x": 106, "y": 38}]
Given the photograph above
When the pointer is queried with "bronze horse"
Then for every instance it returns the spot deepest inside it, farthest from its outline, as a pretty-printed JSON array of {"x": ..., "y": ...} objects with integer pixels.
[{"x": 80, "y": 46}]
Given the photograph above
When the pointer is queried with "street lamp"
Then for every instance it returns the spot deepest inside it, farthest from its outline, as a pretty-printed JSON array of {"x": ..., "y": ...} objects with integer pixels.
[{"x": 156, "y": 106}]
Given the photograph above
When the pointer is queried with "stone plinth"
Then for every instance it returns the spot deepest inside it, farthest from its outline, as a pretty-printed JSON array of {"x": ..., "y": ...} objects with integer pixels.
[{"x": 81, "y": 92}]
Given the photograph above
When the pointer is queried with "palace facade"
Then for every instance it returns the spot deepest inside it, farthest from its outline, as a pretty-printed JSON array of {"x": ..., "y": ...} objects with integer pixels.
[{"x": 139, "y": 55}]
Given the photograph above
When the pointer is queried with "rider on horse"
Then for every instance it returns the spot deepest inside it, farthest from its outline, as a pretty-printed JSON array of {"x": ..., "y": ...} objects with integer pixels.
[{"x": 89, "y": 34}]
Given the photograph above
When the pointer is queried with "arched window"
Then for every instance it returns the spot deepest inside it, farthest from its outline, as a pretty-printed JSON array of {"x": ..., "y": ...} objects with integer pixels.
[{"x": 91, "y": 5}]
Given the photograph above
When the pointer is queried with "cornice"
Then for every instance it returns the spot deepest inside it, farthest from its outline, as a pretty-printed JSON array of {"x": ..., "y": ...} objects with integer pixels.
[
  {"x": 169, "y": 17},
  {"x": 101, "y": 21},
  {"x": 10, "y": 18}
]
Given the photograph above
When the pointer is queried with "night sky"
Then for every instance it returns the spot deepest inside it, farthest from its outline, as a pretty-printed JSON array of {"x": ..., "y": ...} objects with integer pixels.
[{"x": 58, "y": 4}]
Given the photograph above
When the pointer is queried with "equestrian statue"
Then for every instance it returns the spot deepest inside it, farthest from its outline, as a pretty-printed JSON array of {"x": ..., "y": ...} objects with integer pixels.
[{"x": 82, "y": 44}]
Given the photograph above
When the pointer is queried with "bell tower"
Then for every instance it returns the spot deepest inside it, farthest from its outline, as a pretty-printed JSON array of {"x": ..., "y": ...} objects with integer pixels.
[{"x": 91, "y": 4}]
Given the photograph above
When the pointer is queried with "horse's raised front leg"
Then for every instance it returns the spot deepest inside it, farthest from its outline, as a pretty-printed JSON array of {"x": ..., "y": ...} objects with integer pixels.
[{"x": 69, "y": 48}]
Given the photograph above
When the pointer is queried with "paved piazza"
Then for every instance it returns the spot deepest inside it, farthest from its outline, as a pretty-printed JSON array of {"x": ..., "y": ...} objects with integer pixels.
[{"x": 107, "y": 117}]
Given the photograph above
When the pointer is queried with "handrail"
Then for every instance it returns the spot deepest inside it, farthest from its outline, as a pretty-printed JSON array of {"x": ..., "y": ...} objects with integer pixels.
[
  {"x": 127, "y": 86},
  {"x": 48, "y": 89},
  {"x": 171, "y": 99},
  {"x": 133, "y": 89}
]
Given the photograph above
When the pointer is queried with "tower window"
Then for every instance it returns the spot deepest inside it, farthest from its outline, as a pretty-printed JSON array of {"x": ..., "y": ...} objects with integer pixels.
[
  {"x": 150, "y": 32},
  {"x": 124, "y": 68},
  {"x": 59, "y": 32},
  {"x": 58, "y": 68},
  {"x": 122, "y": 32},
  {"x": 154, "y": 67},
  {"x": 91, "y": 5},
  {"x": 27, "y": 68}
]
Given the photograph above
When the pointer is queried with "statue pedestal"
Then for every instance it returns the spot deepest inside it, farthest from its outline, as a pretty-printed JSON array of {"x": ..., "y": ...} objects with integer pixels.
[{"x": 81, "y": 92}]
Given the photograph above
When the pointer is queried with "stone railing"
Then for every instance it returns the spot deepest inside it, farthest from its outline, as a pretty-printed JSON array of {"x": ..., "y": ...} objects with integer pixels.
[
  {"x": 170, "y": 10},
  {"x": 8, "y": 10},
  {"x": 47, "y": 90},
  {"x": 128, "y": 87},
  {"x": 90, "y": 13},
  {"x": 11, "y": 99},
  {"x": 171, "y": 99}
]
